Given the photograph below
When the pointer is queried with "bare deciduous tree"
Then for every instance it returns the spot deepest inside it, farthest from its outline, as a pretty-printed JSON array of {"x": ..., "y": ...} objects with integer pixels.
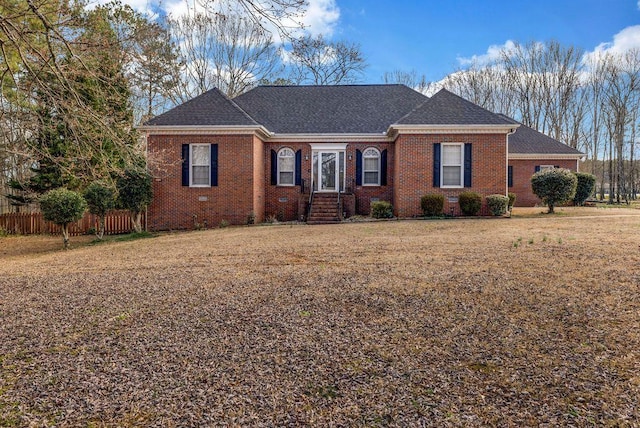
[
  {"x": 318, "y": 61},
  {"x": 226, "y": 51}
]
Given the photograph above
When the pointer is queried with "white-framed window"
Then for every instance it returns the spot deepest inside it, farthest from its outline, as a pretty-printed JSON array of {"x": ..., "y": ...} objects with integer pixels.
[
  {"x": 451, "y": 168},
  {"x": 371, "y": 167},
  {"x": 286, "y": 167},
  {"x": 200, "y": 165}
]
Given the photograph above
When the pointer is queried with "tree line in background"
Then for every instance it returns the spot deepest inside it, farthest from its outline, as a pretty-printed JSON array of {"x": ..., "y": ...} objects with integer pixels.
[
  {"x": 589, "y": 101},
  {"x": 74, "y": 81}
]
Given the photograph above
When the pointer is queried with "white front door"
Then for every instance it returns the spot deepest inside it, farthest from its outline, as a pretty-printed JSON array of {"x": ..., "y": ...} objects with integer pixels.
[{"x": 328, "y": 171}]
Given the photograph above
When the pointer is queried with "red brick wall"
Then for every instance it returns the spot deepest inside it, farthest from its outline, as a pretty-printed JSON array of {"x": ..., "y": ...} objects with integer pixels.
[
  {"x": 414, "y": 170},
  {"x": 174, "y": 206},
  {"x": 282, "y": 202},
  {"x": 522, "y": 172},
  {"x": 364, "y": 194}
]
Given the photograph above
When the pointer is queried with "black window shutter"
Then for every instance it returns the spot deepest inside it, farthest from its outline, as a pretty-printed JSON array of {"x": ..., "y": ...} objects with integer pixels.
[
  {"x": 510, "y": 176},
  {"x": 298, "y": 167},
  {"x": 185, "y": 165},
  {"x": 214, "y": 164},
  {"x": 358, "y": 168},
  {"x": 274, "y": 168},
  {"x": 537, "y": 168},
  {"x": 467, "y": 165},
  {"x": 383, "y": 168},
  {"x": 436, "y": 165}
]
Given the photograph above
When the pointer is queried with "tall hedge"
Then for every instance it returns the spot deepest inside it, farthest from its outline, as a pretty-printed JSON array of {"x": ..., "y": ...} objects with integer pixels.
[
  {"x": 585, "y": 187},
  {"x": 100, "y": 199},
  {"x": 135, "y": 193},
  {"x": 554, "y": 186}
]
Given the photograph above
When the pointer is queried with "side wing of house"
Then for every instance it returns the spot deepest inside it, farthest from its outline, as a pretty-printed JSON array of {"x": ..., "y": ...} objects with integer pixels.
[
  {"x": 531, "y": 151},
  {"x": 206, "y": 158}
]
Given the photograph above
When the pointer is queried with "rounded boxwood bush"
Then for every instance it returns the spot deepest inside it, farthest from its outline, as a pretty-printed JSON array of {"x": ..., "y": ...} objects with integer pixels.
[
  {"x": 584, "y": 189},
  {"x": 432, "y": 204},
  {"x": 554, "y": 186},
  {"x": 470, "y": 203},
  {"x": 512, "y": 199},
  {"x": 381, "y": 209},
  {"x": 497, "y": 204},
  {"x": 62, "y": 207}
]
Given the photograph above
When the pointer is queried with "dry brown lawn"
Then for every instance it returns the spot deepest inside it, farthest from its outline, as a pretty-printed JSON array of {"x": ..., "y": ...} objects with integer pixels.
[{"x": 490, "y": 322}]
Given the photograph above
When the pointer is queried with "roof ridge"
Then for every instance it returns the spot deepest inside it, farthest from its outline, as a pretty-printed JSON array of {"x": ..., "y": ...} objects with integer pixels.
[{"x": 240, "y": 109}]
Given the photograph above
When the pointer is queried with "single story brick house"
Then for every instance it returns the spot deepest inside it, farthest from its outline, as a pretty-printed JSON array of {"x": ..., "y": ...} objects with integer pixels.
[{"x": 320, "y": 153}]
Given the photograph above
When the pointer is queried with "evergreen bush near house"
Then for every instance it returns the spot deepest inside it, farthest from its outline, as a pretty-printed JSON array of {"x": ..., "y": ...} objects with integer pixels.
[
  {"x": 585, "y": 187},
  {"x": 62, "y": 207},
  {"x": 512, "y": 199},
  {"x": 497, "y": 204},
  {"x": 381, "y": 209},
  {"x": 100, "y": 199},
  {"x": 432, "y": 204},
  {"x": 470, "y": 203},
  {"x": 135, "y": 193},
  {"x": 554, "y": 186}
]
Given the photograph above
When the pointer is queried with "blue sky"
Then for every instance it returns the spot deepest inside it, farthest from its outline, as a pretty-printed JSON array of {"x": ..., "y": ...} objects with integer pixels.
[{"x": 434, "y": 37}]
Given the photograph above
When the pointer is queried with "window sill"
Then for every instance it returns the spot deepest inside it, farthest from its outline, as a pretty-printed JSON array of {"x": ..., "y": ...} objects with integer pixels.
[
  {"x": 199, "y": 186},
  {"x": 452, "y": 187}
]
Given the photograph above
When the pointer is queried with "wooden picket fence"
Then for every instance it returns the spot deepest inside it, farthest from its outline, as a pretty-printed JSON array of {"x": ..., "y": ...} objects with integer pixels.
[{"x": 116, "y": 222}]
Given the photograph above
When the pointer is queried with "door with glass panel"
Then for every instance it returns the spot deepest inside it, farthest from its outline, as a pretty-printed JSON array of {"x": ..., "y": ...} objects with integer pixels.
[{"x": 328, "y": 171}]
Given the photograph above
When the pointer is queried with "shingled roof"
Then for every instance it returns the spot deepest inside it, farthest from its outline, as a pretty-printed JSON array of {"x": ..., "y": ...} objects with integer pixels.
[
  {"x": 212, "y": 108},
  {"x": 527, "y": 141},
  {"x": 446, "y": 108},
  {"x": 340, "y": 109}
]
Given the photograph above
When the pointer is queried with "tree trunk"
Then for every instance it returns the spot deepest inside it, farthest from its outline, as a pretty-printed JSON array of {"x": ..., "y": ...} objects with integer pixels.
[
  {"x": 551, "y": 211},
  {"x": 135, "y": 220},
  {"x": 100, "y": 233},
  {"x": 65, "y": 235}
]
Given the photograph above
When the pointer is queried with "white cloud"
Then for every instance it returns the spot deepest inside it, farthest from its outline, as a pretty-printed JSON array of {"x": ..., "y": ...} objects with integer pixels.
[
  {"x": 624, "y": 41},
  {"x": 493, "y": 53},
  {"x": 321, "y": 17}
]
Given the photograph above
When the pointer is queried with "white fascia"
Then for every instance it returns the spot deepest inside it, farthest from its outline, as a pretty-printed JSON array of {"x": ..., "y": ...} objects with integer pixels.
[
  {"x": 396, "y": 129},
  {"x": 534, "y": 156},
  {"x": 258, "y": 130},
  {"x": 328, "y": 138}
]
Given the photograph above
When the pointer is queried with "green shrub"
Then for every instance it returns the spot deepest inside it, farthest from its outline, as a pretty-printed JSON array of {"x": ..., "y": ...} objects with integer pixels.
[
  {"x": 470, "y": 203},
  {"x": 62, "y": 207},
  {"x": 497, "y": 204},
  {"x": 554, "y": 186},
  {"x": 381, "y": 209},
  {"x": 100, "y": 199},
  {"x": 432, "y": 204},
  {"x": 512, "y": 199},
  {"x": 135, "y": 193},
  {"x": 584, "y": 189}
]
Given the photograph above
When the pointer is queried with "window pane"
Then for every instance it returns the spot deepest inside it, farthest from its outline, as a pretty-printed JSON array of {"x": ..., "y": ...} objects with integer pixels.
[
  {"x": 370, "y": 178},
  {"x": 286, "y": 177},
  {"x": 451, "y": 155},
  {"x": 200, "y": 175},
  {"x": 286, "y": 164},
  {"x": 370, "y": 164},
  {"x": 200, "y": 155},
  {"x": 451, "y": 176}
]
